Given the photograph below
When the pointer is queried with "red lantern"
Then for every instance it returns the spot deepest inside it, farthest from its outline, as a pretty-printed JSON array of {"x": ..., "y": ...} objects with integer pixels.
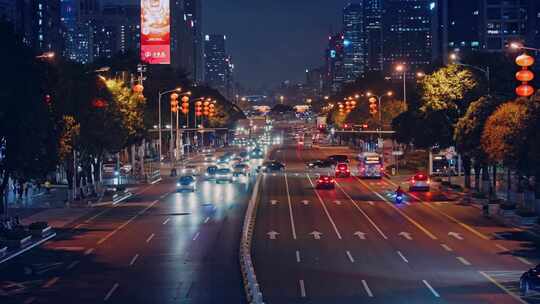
[
  {"x": 174, "y": 96},
  {"x": 99, "y": 103},
  {"x": 198, "y": 113},
  {"x": 524, "y": 90},
  {"x": 138, "y": 88},
  {"x": 185, "y": 99},
  {"x": 525, "y": 75},
  {"x": 524, "y": 60},
  {"x": 185, "y": 111}
]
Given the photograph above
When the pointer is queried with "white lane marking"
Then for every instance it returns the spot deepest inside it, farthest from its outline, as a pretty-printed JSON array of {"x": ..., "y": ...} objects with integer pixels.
[
  {"x": 297, "y": 256},
  {"x": 290, "y": 207},
  {"x": 126, "y": 223},
  {"x": 350, "y": 256},
  {"x": 78, "y": 226},
  {"x": 96, "y": 215},
  {"x": 405, "y": 235},
  {"x": 501, "y": 247},
  {"x": 433, "y": 291},
  {"x": 524, "y": 261},
  {"x": 361, "y": 235},
  {"x": 196, "y": 236},
  {"x": 69, "y": 248},
  {"x": 402, "y": 257},
  {"x": 456, "y": 235},
  {"x": 363, "y": 213},
  {"x": 206, "y": 220},
  {"x": 305, "y": 202},
  {"x": 50, "y": 282},
  {"x": 272, "y": 234},
  {"x": 337, "y": 202},
  {"x": 325, "y": 209},
  {"x": 513, "y": 295},
  {"x": 316, "y": 235},
  {"x": 73, "y": 264},
  {"x": 366, "y": 288},
  {"x": 89, "y": 251},
  {"x": 134, "y": 259},
  {"x": 302, "y": 289},
  {"x": 166, "y": 221},
  {"x": 463, "y": 261},
  {"x": 446, "y": 247},
  {"x": 412, "y": 221},
  {"x": 273, "y": 202},
  {"x": 110, "y": 293},
  {"x": 150, "y": 237}
]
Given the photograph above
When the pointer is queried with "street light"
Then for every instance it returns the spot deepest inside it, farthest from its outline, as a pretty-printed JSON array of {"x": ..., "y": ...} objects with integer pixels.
[
  {"x": 402, "y": 69},
  {"x": 454, "y": 57},
  {"x": 281, "y": 98},
  {"x": 420, "y": 74},
  {"x": 159, "y": 116},
  {"x": 46, "y": 55},
  {"x": 379, "y": 98}
]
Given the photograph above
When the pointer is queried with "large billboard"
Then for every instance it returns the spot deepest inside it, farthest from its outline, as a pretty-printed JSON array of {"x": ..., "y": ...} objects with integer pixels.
[{"x": 155, "y": 32}]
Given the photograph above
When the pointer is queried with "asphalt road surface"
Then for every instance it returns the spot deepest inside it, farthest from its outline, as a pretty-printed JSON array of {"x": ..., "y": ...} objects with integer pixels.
[
  {"x": 354, "y": 245},
  {"x": 157, "y": 247}
]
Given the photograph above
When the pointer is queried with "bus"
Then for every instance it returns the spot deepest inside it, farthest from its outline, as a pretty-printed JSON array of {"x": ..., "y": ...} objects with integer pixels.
[{"x": 370, "y": 165}]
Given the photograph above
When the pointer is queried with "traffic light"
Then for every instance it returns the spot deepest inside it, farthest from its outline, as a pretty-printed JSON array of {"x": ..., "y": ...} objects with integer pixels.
[
  {"x": 174, "y": 102},
  {"x": 185, "y": 105},
  {"x": 373, "y": 109},
  {"x": 48, "y": 100}
]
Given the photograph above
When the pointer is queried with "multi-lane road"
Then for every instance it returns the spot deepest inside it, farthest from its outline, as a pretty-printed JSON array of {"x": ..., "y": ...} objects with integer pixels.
[
  {"x": 354, "y": 245},
  {"x": 157, "y": 247}
]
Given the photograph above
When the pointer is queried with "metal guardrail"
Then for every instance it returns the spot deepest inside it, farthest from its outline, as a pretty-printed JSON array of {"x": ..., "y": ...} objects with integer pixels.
[{"x": 251, "y": 285}]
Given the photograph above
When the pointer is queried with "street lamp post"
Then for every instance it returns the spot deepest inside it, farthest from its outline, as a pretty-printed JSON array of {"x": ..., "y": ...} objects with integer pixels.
[
  {"x": 485, "y": 71},
  {"x": 402, "y": 68},
  {"x": 159, "y": 117},
  {"x": 379, "y": 98}
]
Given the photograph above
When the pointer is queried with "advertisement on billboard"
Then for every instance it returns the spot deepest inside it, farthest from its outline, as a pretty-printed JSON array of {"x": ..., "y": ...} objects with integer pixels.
[{"x": 155, "y": 32}]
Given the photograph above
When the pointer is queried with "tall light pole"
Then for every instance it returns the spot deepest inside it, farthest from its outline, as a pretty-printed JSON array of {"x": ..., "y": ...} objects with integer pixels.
[
  {"x": 402, "y": 68},
  {"x": 379, "y": 99},
  {"x": 159, "y": 116},
  {"x": 178, "y": 127},
  {"x": 455, "y": 60},
  {"x": 520, "y": 46}
]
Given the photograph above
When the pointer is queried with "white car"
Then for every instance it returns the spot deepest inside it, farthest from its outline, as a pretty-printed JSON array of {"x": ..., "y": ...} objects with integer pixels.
[
  {"x": 419, "y": 182},
  {"x": 209, "y": 158},
  {"x": 186, "y": 183},
  {"x": 241, "y": 169},
  {"x": 224, "y": 175},
  {"x": 190, "y": 170}
]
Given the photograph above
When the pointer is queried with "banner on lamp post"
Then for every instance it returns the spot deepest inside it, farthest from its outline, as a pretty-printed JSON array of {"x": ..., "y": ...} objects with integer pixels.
[{"x": 155, "y": 32}]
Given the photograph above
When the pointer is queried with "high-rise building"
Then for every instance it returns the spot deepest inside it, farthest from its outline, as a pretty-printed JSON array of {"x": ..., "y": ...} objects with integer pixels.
[
  {"x": 503, "y": 21},
  {"x": 216, "y": 62},
  {"x": 40, "y": 25},
  {"x": 455, "y": 27},
  {"x": 354, "y": 54},
  {"x": 314, "y": 81},
  {"x": 193, "y": 11},
  {"x": 334, "y": 73},
  {"x": 373, "y": 33},
  {"x": 181, "y": 38},
  {"x": 8, "y": 11},
  {"x": 407, "y": 35}
]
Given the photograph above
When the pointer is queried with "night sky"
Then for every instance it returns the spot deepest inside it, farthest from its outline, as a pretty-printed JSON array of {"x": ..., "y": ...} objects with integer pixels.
[{"x": 273, "y": 40}]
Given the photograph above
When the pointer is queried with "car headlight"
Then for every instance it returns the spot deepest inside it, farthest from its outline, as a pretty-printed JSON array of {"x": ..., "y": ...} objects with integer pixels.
[
  {"x": 177, "y": 184},
  {"x": 184, "y": 170},
  {"x": 206, "y": 174}
]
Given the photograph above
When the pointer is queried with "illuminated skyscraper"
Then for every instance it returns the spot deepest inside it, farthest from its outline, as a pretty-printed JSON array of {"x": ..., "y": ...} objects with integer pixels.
[
  {"x": 216, "y": 62},
  {"x": 354, "y": 49}
]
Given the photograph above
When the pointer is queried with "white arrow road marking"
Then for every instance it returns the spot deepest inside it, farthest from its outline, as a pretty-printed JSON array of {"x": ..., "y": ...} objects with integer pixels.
[
  {"x": 273, "y": 202},
  {"x": 402, "y": 257},
  {"x": 297, "y": 256},
  {"x": 361, "y": 235},
  {"x": 305, "y": 202},
  {"x": 337, "y": 202},
  {"x": 110, "y": 293},
  {"x": 455, "y": 235},
  {"x": 350, "y": 256},
  {"x": 463, "y": 261},
  {"x": 316, "y": 235},
  {"x": 446, "y": 247},
  {"x": 435, "y": 293},
  {"x": 272, "y": 235},
  {"x": 366, "y": 288},
  {"x": 302, "y": 289},
  {"x": 405, "y": 235}
]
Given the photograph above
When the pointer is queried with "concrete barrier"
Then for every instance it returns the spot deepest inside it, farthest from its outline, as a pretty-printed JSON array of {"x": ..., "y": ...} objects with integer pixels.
[{"x": 251, "y": 286}]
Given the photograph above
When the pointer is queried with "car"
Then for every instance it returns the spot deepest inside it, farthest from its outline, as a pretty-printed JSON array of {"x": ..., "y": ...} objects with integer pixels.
[
  {"x": 530, "y": 280},
  {"x": 241, "y": 169},
  {"x": 186, "y": 182},
  {"x": 190, "y": 170},
  {"x": 319, "y": 163},
  {"x": 342, "y": 170},
  {"x": 325, "y": 182},
  {"x": 244, "y": 155},
  {"x": 237, "y": 159},
  {"x": 222, "y": 162},
  {"x": 256, "y": 153},
  {"x": 209, "y": 158},
  {"x": 208, "y": 150},
  {"x": 338, "y": 158},
  {"x": 224, "y": 175},
  {"x": 419, "y": 182},
  {"x": 272, "y": 166},
  {"x": 210, "y": 172}
]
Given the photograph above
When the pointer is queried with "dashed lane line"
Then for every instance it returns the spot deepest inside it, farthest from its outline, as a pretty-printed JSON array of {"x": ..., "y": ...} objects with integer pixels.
[
  {"x": 290, "y": 207},
  {"x": 166, "y": 221},
  {"x": 446, "y": 247},
  {"x": 111, "y": 291},
  {"x": 73, "y": 264},
  {"x": 325, "y": 209},
  {"x": 402, "y": 257},
  {"x": 150, "y": 237},
  {"x": 524, "y": 261},
  {"x": 196, "y": 236},
  {"x": 433, "y": 291},
  {"x": 302, "y": 289},
  {"x": 50, "y": 282},
  {"x": 133, "y": 260},
  {"x": 349, "y": 255},
  {"x": 463, "y": 261},
  {"x": 367, "y": 289},
  {"x": 297, "y": 256}
]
